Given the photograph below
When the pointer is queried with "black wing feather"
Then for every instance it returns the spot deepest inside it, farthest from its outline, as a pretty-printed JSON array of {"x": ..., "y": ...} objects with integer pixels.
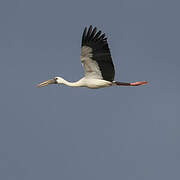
[
  {"x": 100, "y": 50},
  {"x": 93, "y": 33},
  {"x": 96, "y": 36},
  {"x": 84, "y": 35}
]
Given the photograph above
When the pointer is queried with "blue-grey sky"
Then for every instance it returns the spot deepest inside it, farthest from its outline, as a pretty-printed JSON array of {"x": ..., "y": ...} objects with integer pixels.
[{"x": 58, "y": 132}]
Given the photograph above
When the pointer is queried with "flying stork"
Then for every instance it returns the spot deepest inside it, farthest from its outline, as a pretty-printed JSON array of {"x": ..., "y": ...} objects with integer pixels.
[{"x": 97, "y": 62}]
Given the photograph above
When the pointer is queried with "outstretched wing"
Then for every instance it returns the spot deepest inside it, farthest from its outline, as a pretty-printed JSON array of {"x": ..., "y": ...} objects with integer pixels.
[{"x": 95, "y": 55}]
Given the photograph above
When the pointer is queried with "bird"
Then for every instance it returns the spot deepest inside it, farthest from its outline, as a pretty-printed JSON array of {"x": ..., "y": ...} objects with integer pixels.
[{"x": 98, "y": 66}]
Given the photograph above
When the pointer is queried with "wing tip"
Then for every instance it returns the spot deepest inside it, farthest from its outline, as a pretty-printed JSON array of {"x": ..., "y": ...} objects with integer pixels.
[{"x": 92, "y": 35}]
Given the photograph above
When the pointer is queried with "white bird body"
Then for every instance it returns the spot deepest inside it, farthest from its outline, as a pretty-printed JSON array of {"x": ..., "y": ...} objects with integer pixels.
[
  {"x": 85, "y": 82},
  {"x": 97, "y": 62},
  {"x": 95, "y": 83}
]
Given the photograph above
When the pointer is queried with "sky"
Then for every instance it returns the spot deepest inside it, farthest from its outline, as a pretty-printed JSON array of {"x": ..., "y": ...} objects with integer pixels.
[{"x": 59, "y": 132}]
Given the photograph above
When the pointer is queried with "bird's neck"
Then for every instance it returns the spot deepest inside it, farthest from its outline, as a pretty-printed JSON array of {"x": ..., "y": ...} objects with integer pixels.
[{"x": 72, "y": 84}]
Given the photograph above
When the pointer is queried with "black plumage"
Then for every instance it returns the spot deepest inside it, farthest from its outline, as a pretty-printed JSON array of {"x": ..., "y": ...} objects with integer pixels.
[{"x": 100, "y": 51}]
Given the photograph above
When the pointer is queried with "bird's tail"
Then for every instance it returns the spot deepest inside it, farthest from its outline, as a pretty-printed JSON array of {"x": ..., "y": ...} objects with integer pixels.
[{"x": 138, "y": 83}]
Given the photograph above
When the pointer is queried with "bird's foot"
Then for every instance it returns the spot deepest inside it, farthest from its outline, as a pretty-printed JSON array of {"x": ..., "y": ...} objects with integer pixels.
[{"x": 138, "y": 83}]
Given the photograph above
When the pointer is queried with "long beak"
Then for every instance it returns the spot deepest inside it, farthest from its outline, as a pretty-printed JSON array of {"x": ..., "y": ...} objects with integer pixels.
[{"x": 45, "y": 83}]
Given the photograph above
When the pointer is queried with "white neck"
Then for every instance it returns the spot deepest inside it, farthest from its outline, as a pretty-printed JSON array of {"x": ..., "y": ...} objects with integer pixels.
[{"x": 72, "y": 84}]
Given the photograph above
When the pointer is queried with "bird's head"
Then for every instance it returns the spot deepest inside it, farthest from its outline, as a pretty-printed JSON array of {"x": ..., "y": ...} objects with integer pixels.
[{"x": 55, "y": 80}]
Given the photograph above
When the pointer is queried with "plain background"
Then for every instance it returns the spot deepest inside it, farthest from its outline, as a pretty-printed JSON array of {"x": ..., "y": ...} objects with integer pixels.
[{"x": 118, "y": 133}]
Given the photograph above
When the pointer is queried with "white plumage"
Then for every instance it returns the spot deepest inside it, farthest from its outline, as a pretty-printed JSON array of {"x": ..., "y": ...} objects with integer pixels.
[{"x": 97, "y": 62}]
